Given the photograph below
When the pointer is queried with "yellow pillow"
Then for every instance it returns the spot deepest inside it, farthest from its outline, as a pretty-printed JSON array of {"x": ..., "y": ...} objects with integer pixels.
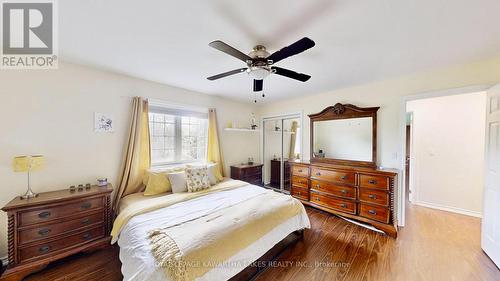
[{"x": 157, "y": 183}]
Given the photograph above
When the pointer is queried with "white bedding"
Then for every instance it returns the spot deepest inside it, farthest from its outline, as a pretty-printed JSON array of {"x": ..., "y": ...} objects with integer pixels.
[{"x": 135, "y": 250}]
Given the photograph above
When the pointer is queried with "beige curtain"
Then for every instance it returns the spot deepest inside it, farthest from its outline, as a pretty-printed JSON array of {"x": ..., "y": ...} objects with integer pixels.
[
  {"x": 137, "y": 159},
  {"x": 214, "y": 153},
  {"x": 293, "y": 139}
]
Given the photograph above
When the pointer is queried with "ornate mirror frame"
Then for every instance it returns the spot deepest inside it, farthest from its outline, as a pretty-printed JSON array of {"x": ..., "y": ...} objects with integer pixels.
[{"x": 345, "y": 111}]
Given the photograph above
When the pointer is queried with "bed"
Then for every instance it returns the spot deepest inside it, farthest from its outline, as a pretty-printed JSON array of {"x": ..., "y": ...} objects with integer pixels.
[{"x": 201, "y": 226}]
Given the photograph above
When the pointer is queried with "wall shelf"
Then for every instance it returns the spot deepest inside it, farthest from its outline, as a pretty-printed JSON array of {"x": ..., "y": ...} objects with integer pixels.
[{"x": 241, "y": 130}]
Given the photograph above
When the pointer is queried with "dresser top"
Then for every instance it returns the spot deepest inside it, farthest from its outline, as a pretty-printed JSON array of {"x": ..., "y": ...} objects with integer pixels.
[
  {"x": 344, "y": 167},
  {"x": 56, "y": 196},
  {"x": 245, "y": 166}
]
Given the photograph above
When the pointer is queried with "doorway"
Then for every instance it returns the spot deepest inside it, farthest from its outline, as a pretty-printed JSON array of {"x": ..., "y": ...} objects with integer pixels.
[
  {"x": 281, "y": 144},
  {"x": 443, "y": 141}
]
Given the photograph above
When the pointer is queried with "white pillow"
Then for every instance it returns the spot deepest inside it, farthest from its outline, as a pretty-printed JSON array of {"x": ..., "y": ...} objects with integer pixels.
[
  {"x": 178, "y": 182},
  {"x": 211, "y": 173}
]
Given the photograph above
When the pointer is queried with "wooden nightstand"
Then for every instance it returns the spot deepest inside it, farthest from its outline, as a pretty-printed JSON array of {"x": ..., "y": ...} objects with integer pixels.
[
  {"x": 55, "y": 225},
  {"x": 249, "y": 173}
]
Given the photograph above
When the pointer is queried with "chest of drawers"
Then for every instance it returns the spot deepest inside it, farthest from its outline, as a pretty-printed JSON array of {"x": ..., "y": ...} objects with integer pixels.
[
  {"x": 55, "y": 225},
  {"x": 362, "y": 194},
  {"x": 249, "y": 173}
]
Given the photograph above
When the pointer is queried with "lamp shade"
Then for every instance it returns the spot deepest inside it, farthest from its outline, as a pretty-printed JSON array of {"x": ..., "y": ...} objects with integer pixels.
[{"x": 28, "y": 163}]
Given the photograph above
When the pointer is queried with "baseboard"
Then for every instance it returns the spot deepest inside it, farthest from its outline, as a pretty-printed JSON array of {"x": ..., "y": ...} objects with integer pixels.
[
  {"x": 4, "y": 260},
  {"x": 449, "y": 209}
]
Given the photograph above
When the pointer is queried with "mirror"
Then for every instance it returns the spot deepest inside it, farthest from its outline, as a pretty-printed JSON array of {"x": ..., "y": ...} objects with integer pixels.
[
  {"x": 347, "y": 139},
  {"x": 344, "y": 134}
]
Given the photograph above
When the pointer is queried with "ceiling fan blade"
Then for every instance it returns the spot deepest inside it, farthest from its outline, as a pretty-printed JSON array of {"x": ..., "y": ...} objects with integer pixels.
[
  {"x": 222, "y": 75},
  {"x": 258, "y": 85},
  {"x": 296, "y": 48},
  {"x": 223, "y": 47},
  {"x": 291, "y": 74}
]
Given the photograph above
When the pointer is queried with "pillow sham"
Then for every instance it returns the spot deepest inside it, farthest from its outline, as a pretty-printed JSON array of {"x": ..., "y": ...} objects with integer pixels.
[
  {"x": 178, "y": 182},
  {"x": 197, "y": 178},
  {"x": 157, "y": 183}
]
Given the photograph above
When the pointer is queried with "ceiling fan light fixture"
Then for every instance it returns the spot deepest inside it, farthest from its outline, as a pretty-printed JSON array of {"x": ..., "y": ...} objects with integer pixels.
[{"x": 258, "y": 73}]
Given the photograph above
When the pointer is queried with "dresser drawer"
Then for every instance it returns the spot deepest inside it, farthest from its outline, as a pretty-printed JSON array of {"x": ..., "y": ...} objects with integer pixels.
[
  {"x": 300, "y": 181},
  {"x": 330, "y": 188},
  {"x": 54, "y": 212},
  {"x": 342, "y": 205},
  {"x": 333, "y": 176},
  {"x": 373, "y": 212},
  {"x": 51, "y": 230},
  {"x": 369, "y": 181},
  {"x": 301, "y": 193},
  {"x": 300, "y": 171},
  {"x": 50, "y": 247},
  {"x": 251, "y": 171},
  {"x": 374, "y": 196}
]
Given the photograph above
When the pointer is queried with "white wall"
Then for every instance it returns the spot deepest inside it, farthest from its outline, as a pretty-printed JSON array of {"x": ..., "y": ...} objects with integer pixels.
[
  {"x": 52, "y": 113},
  {"x": 448, "y": 152}
]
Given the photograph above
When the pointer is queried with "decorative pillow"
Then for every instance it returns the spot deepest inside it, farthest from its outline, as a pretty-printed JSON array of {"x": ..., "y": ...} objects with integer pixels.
[
  {"x": 157, "y": 183},
  {"x": 212, "y": 170},
  {"x": 197, "y": 178},
  {"x": 178, "y": 182}
]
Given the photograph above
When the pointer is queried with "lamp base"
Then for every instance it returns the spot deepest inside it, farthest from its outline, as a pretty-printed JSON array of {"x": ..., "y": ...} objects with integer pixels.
[{"x": 29, "y": 194}]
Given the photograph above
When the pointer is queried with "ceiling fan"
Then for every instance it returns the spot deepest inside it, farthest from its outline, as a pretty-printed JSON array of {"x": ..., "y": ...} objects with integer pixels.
[{"x": 260, "y": 63}]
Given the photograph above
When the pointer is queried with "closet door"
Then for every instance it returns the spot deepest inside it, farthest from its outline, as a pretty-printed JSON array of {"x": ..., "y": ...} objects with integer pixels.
[{"x": 490, "y": 234}]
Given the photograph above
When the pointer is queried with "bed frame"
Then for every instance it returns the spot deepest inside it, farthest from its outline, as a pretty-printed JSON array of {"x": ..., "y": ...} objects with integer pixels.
[{"x": 252, "y": 271}]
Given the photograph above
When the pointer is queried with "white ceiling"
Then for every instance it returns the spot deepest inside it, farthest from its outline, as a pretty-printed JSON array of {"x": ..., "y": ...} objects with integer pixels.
[{"x": 357, "y": 41}]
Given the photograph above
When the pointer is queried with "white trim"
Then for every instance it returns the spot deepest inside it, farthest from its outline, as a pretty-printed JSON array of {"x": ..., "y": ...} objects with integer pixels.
[
  {"x": 402, "y": 133},
  {"x": 179, "y": 106},
  {"x": 5, "y": 260},
  {"x": 449, "y": 209}
]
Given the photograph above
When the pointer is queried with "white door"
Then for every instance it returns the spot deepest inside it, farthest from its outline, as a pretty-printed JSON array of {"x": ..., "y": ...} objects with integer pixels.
[{"x": 490, "y": 234}]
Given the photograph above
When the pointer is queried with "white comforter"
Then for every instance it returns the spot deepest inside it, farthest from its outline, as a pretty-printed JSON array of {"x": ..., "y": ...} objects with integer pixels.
[{"x": 135, "y": 249}]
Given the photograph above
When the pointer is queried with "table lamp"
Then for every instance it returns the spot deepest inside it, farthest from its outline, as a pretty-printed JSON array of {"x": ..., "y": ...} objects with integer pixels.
[{"x": 28, "y": 164}]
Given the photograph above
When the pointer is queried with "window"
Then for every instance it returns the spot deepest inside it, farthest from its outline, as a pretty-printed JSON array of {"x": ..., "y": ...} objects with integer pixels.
[{"x": 177, "y": 136}]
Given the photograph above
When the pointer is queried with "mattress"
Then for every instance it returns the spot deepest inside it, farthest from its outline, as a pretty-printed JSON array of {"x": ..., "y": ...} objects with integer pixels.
[{"x": 138, "y": 262}]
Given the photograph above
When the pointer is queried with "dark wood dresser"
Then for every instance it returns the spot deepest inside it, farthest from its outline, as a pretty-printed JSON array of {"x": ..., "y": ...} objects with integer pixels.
[
  {"x": 249, "y": 173},
  {"x": 55, "y": 225},
  {"x": 276, "y": 174},
  {"x": 360, "y": 193}
]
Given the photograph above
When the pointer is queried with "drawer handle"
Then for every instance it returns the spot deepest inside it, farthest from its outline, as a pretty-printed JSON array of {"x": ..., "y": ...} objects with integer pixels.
[
  {"x": 372, "y": 182},
  {"x": 343, "y": 205},
  {"x": 372, "y": 196},
  {"x": 85, "y": 221},
  {"x": 87, "y": 236},
  {"x": 343, "y": 191},
  {"x": 317, "y": 199},
  {"x": 318, "y": 186},
  {"x": 44, "y": 215},
  {"x": 300, "y": 171},
  {"x": 44, "y": 249},
  {"x": 318, "y": 174},
  {"x": 44, "y": 231},
  {"x": 86, "y": 205},
  {"x": 373, "y": 212},
  {"x": 343, "y": 177}
]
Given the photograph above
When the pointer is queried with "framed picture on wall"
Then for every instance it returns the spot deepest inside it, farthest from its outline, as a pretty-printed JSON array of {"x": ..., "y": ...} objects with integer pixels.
[{"x": 103, "y": 123}]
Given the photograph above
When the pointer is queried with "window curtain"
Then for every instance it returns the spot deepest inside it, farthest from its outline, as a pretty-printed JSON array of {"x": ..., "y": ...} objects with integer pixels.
[
  {"x": 293, "y": 139},
  {"x": 137, "y": 159},
  {"x": 214, "y": 153}
]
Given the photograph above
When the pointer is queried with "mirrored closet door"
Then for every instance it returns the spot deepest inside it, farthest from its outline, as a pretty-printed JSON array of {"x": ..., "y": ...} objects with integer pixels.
[{"x": 281, "y": 144}]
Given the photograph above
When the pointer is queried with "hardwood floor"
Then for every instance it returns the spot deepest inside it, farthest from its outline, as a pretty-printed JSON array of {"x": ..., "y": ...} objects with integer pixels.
[{"x": 435, "y": 245}]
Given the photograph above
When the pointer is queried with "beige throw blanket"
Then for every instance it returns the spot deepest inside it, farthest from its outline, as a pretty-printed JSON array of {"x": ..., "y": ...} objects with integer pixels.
[{"x": 216, "y": 237}]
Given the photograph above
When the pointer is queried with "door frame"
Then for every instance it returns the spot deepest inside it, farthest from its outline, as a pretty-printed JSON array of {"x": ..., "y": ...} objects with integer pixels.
[
  {"x": 401, "y": 192},
  {"x": 296, "y": 114}
]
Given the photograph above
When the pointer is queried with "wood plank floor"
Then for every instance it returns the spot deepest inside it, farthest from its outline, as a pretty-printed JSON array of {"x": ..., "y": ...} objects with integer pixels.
[{"x": 435, "y": 245}]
